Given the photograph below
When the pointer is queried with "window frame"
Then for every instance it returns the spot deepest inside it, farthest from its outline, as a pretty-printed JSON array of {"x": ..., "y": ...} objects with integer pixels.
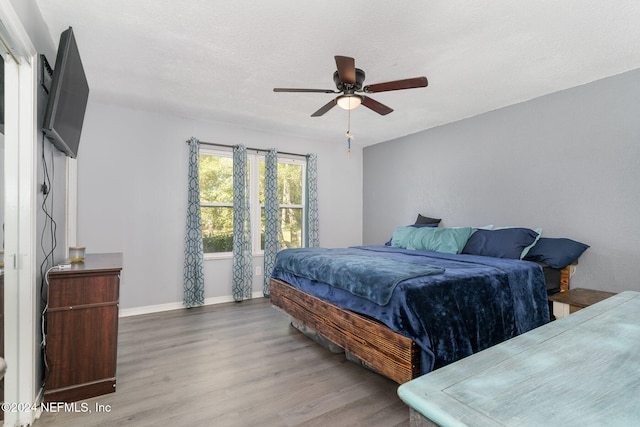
[{"x": 254, "y": 158}]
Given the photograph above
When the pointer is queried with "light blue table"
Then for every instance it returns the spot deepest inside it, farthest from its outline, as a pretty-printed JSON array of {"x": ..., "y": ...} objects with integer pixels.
[{"x": 581, "y": 370}]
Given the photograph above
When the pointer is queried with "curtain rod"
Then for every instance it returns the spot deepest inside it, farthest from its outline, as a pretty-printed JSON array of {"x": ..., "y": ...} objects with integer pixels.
[{"x": 249, "y": 148}]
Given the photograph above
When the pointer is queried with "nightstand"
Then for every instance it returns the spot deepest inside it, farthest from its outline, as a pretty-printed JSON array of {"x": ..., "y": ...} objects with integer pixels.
[{"x": 565, "y": 303}]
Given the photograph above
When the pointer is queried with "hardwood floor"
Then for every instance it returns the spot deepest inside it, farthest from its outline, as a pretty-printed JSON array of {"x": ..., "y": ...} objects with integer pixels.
[{"x": 235, "y": 364}]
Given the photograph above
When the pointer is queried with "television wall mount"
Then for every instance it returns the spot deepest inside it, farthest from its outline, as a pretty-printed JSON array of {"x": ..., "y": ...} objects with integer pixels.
[{"x": 46, "y": 73}]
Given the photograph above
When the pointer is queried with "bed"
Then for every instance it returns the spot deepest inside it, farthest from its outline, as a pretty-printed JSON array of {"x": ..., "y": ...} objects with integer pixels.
[{"x": 405, "y": 311}]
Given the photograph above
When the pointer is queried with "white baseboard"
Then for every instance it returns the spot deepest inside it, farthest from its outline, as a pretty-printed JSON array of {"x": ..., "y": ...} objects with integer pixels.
[{"x": 147, "y": 309}]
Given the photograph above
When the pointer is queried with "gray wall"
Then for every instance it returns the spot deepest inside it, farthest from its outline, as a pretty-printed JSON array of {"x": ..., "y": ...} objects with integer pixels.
[
  {"x": 37, "y": 30},
  {"x": 132, "y": 182},
  {"x": 568, "y": 162}
]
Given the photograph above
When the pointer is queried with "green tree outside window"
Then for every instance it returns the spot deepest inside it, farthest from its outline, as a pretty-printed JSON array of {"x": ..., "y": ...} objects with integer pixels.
[{"x": 216, "y": 201}]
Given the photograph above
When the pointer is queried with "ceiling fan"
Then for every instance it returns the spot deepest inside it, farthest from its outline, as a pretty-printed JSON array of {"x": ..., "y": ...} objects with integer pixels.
[{"x": 349, "y": 80}]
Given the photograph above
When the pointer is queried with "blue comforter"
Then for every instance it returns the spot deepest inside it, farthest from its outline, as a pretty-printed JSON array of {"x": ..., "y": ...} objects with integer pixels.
[
  {"x": 354, "y": 270},
  {"x": 476, "y": 302}
]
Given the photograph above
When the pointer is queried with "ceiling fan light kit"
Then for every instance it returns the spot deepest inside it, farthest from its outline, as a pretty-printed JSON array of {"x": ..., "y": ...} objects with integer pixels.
[{"x": 349, "y": 102}]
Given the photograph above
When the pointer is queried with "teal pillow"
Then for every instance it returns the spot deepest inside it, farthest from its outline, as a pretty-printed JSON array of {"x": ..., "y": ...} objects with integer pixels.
[
  {"x": 401, "y": 236},
  {"x": 445, "y": 240}
]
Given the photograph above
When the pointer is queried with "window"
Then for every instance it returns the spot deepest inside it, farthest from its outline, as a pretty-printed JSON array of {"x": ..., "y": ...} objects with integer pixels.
[
  {"x": 216, "y": 201},
  {"x": 291, "y": 201}
]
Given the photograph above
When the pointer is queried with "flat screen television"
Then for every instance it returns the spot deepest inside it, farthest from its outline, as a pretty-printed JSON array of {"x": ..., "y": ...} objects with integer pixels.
[{"x": 68, "y": 96}]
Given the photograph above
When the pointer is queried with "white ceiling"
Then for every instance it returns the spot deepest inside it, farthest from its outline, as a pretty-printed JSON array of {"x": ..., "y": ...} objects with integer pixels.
[{"x": 219, "y": 61}]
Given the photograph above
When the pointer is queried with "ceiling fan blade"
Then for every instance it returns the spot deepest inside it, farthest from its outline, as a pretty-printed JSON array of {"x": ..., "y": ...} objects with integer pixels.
[
  {"x": 285, "y": 89},
  {"x": 397, "y": 85},
  {"x": 374, "y": 105},
  {"x": 346, "y": 69},
  {"x": 326, "y": 107}
]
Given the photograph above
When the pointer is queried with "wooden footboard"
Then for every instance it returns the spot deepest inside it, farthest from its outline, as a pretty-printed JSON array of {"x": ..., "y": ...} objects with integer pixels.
[{"x": 374, "y": 344}]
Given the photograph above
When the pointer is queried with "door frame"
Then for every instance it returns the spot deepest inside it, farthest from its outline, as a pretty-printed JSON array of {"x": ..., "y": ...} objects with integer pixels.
[{"x": 20, "y": 166}]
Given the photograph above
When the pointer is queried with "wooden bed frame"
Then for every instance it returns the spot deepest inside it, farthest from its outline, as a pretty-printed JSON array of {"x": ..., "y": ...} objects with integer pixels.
[
  {"x": 374, "y": 344},
  {"x": 363, "y": 339}
]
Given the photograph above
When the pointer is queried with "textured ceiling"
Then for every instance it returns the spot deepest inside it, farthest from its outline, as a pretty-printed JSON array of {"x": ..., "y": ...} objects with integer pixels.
[{"x": 219, "y": 61}]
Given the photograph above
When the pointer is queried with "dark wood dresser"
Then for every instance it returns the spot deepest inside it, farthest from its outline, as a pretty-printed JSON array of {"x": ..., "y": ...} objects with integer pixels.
[{"x": 82, "y": 329}]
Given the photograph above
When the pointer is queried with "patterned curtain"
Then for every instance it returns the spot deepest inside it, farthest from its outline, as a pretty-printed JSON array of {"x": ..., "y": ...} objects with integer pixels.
[
  {"x": 313, "y": 232},
  {"x": 242, "y": 260},
  {"x": 271, "y": 216},
  {"x": 193, "y": 252}
]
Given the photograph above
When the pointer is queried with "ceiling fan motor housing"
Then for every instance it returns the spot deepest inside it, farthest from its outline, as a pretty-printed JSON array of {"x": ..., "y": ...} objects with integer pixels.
[{"x": 357, "y": 87}]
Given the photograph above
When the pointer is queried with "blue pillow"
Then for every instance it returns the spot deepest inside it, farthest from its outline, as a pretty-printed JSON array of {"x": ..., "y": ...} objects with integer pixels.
[
  {"x": 501, "y": 243},
  {"x": 526, "y": 250},
  {"x": 556, "y": 252}
]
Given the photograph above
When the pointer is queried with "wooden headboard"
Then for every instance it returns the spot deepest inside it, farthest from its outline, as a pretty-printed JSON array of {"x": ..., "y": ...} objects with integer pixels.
[
  {"x": 565, "y": 276},
  {"x": 558, "y": 280}
]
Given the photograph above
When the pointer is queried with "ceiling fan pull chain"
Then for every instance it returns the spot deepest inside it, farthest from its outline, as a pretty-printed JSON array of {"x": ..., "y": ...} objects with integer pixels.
[{"x": 349, "y": 136}]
